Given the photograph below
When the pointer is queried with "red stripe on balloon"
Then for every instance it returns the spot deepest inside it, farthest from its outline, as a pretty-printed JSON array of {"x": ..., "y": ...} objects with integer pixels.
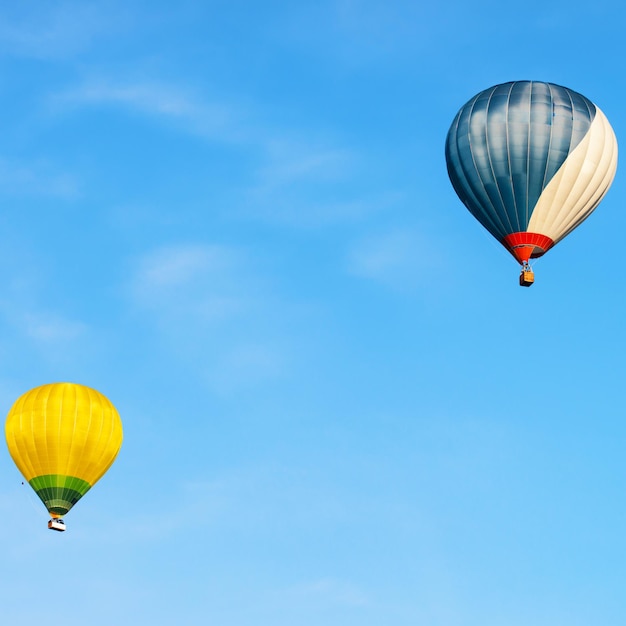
[{"x": 525, "y": 246}]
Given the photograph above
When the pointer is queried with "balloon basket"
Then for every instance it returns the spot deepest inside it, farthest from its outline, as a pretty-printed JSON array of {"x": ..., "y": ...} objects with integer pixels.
[
  {"x": 56, "y": 524},
  {"x": 526, "y": 278}
]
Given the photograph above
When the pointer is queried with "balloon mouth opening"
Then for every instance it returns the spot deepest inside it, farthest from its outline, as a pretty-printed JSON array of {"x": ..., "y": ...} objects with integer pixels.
[
  {"x": 526, "y": 246},
  {"x": 59, "y": 493}
]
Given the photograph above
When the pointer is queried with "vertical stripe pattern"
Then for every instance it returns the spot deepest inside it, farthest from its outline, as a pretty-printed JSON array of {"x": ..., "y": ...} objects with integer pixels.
[
  {"x": 530, "y": 156},
  {"x": 63, "y": 437}
]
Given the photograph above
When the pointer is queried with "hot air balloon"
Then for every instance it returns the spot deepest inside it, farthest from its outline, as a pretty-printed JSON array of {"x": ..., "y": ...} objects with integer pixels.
[
  {"x": 531, "y": 161},
  {"x": 63, "y": 437}
]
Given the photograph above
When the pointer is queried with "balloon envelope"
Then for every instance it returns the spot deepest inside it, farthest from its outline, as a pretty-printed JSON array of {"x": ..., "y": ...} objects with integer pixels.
[
  {"x": 531, "y": 161},
  {"x": 63, "y": 437}
]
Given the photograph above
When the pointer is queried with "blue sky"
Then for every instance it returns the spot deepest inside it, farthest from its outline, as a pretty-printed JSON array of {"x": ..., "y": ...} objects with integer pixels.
[{"x": 234, "y": 219}]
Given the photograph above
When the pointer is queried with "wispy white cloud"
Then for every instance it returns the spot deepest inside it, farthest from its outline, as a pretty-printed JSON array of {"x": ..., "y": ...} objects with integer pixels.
[
  {"x": 305, "y": 183},
  {"x": 213, "y": 120},
  {"x": 51, "y": 328},
  {"x": 285, "y": 156},
  {"x": 329, "y": 591},
  {"x": 292, "y": 205},
  {"x": 294, "y": 176},
  {"x": 399, "y": 259},
  {"x": 205, "y": 504},
  {"x": 169, "y": 267},
  {"x": 198, "y": 283},
  {"x": 248, "y": 364},
  {"x": 34, "y": 327},
  {"x": 56, "y": 30},
  {"x": 384, "y": 23},
  {"x": 290, "y": 162},
  {"x": 55, "y": 338},
  {"x": 211, "y": 306},
  {"x": 308, "y": 183},
  {"x": 259, "y": 498},
  {"x": 36, "y": 178},
  {"x": 359, "y": 33}
]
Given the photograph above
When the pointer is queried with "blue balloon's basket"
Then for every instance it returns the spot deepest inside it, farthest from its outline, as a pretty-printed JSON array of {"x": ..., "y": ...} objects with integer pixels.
[{"x": 526, "y": 277}]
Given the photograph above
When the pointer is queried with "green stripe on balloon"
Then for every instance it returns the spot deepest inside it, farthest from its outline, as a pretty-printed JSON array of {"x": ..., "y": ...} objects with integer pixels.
[{"x": 59, "y": 493}]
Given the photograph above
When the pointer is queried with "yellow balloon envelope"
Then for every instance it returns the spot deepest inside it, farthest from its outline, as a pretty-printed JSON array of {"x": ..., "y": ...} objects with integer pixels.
[{"x": 63, "y": 437}]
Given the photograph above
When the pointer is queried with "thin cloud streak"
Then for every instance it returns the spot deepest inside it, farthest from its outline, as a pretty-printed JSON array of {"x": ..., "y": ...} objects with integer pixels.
[
  {"x": 177, "y": 265},
  {"x": 214, "y": 121},
  {"x": 55, "y": 31},
  {"x": 293, "y": 177},
  {"x": 291, "y": 162},
  {"x": 195, "y": 282},
  {"x": 210, "y": 306},
  {"x": 397, "y": 258},
  {"x": 40, "y": 179},
  {"x": 52, "y": 328},
  {"x": 329, "y": 591}
]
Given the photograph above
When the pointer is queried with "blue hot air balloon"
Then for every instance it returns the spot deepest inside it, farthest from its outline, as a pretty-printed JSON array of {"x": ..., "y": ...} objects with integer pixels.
[{"x": 531, "y": 161}]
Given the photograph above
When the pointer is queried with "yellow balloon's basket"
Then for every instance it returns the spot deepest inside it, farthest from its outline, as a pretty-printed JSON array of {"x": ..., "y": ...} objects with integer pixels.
[{"x": 56, "y": 524}]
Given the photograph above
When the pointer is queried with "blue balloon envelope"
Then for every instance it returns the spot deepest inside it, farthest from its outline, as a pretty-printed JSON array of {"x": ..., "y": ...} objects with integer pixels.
[{"x": 530, "y": 160}]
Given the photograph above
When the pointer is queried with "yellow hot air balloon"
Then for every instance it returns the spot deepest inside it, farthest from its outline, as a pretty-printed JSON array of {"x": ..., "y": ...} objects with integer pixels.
[{"x": 63, "y": 437}]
